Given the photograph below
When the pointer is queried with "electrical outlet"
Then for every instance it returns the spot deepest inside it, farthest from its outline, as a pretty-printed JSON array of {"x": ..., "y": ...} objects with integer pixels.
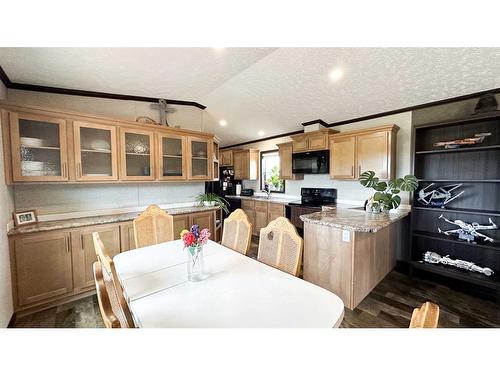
[{"x": 346, "y": 236}]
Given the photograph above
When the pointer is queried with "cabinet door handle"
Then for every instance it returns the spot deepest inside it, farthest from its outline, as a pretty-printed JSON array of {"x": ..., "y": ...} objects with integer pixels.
[
  {"x": 79, "y": 169},
  {"x": 352, "y": 170},
  {"x": 359, "y": 170},
  {"x": 66, "y": 243},
  {"x": 64, "y": 171}
]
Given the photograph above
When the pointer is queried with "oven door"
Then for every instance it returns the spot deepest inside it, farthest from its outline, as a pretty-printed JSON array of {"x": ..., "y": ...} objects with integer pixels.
[
  {"x": 314, "y": 162},
  {"x": 293, "y": 213}
]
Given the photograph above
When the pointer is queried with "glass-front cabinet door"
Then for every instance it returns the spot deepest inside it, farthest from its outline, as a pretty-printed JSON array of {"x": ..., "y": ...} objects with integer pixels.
[
  {"x": 38, "y": 148},
  {"x": 199, "y": 158},
  {"x": 172, "y": 150},
  {"x": 137, "y": 155},
  {"x": 95, "y": 152}
]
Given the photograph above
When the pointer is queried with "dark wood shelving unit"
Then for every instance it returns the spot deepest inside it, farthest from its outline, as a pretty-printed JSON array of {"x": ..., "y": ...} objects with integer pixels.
[{"x": 477, "y": 168}]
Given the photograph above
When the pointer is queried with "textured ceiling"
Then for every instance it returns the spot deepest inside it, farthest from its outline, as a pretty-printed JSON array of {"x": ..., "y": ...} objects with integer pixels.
[{"x": 266, "y": 89}]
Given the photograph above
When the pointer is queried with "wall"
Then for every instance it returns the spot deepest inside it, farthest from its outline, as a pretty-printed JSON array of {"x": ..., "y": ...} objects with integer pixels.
[
  {"x": 7, "y": 206},
  {"x": 50, "y": 199},
  {"x": 349, "y": 190}
]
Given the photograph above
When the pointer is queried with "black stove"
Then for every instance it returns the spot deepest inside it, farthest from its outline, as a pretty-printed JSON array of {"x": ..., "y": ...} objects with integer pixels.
[
  {"x": 311, "y": 201},
  {"x": 316, "y": 197}
]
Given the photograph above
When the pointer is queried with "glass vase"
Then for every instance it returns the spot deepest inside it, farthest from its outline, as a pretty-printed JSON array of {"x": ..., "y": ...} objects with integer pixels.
[{"x": 195, "y": 263}]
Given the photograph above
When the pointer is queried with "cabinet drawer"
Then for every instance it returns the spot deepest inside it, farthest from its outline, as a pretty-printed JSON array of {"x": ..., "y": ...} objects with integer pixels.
[
  {"x": 276, "y": 209},
  {"x": 260, "y": 206},
  {"x": 247, "y": 204}
]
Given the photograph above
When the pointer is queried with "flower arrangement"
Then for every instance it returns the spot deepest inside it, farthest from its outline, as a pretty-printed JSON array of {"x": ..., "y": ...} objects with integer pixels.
[{"x": 194, "y": 238}]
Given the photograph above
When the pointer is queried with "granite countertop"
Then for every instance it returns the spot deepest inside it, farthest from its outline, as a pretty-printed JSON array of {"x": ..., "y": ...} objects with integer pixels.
[
  {"x": 96, "y": 220},
  {"x": 353, "y": 219},
  {"x": 273, "y": 199}
]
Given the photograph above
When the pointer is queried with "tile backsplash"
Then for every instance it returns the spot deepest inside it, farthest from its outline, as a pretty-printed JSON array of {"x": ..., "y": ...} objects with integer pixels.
[{"x": 50, "y": 199}]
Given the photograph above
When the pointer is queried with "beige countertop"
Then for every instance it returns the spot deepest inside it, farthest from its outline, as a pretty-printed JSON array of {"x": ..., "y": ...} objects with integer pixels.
[
  {"x": 353, "y": 219},
  {"x": 96, "y": 220},
  {"x": 273, "y": 199}
]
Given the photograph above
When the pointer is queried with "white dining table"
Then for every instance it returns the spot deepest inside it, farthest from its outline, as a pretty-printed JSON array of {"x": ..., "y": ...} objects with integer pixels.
[{"x": 238, "y": 292}]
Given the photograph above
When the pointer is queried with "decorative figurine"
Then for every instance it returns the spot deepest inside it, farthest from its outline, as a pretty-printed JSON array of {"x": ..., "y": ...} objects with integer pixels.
[
  {"x": 434, "y": 258},
  {"x": 468, "y": 231},
  {"x": 478, "y": 138},
  {"x": 440, "y": 196}
]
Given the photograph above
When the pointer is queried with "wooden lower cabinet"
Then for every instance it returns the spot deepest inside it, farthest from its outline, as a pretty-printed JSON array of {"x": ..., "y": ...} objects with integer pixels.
[
  {"x": 274, "y": 211},
  {"x": 41, "y": 267},
  {"x": 127, "y": 237},
  {"x": 260, "y": 213},
  {"x": 55, "y": 266},
  {"x": 84, "y": 252},
  {"x": 181, "y": 222}
]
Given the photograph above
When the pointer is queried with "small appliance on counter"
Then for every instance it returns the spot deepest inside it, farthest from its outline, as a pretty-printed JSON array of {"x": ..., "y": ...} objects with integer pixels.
[
  {"x": 246, "y": 192},
  {"x": 238, "y": 189}
]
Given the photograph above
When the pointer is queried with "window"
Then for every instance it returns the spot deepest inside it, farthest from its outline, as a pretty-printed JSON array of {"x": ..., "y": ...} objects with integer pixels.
[{"x": 270, "y": 172}]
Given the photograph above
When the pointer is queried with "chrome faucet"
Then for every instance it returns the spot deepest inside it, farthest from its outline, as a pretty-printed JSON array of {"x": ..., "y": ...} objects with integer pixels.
[{"x": 267, "y": 191}]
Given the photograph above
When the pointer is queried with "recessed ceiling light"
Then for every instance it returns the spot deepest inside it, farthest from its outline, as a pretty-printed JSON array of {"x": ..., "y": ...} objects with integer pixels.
[
  {"x": 219, "y": 48},
  {"x": 336, "y": 74},
  {"x": 261, "y": 133},
  {"x": 222, "y": 122}
]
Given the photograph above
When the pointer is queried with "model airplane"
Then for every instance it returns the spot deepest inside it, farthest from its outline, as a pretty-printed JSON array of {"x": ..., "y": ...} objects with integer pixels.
[
  {"x": 468, "y": 231},
  {"x": 439, "y": 196},
  {"x": 478, "y": 138}
]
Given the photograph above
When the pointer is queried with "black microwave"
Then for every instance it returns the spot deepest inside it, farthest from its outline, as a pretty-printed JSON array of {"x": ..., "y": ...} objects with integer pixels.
[{"x": 313, "y": 162}]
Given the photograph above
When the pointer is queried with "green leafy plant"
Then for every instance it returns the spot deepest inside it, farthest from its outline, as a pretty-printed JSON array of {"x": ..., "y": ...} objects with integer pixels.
[
  {"x": 274, "y": 179},
  {"x": 211, "y": 197},
  {"x": 386, "y": 196}
]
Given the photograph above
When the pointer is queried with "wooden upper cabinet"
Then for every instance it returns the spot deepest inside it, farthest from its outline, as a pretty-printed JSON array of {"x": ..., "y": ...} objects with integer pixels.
[
  {"x": 137, "y": 154},
  {"x": 246, "y": 164},
  {"x": 343, "y": 157},
  {"x": 318, "y": 141},
  {"x": 172, "y": 156},
  {"x": 199, "y": 158},
  {"x": 311, "y": 141},
  {"x": 353, "y": 153},
  {"x": 42, "y": 267},
  {"x": 300, "y": 143},
  {"x": 84, "y": 252},
  {"x": 226, "y": 158},
  {"x": 374, "y": 154},
  {"x": 96, "y": 152},
  {"x": 38, "y": 148},
  {"x": 215, "y": 160},
  {"x": 285, "y": 152}
]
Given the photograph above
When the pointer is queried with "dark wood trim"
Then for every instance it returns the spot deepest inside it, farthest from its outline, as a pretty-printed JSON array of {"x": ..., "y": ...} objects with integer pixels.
[
  {"x": 94, "y": 94},
  {"x": 263, "y": 139},
  {"x": 318, "y": 121},
  {"x": 412, "y": 108},
  {"x": 4, "y": 78}
]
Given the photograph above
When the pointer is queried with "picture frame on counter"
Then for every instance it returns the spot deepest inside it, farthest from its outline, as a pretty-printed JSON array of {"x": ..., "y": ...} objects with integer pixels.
[{"x": 25, "y": 217}]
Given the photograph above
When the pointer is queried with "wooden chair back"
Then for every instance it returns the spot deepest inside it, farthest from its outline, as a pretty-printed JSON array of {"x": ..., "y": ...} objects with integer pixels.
[
  {"x": 426, "y": 316},
  {"x": 280, "y": 246},
  {"x": 115, "y": 292},
  {"x": 237, "y": 234},
  {"x": 152, "y": 227}
]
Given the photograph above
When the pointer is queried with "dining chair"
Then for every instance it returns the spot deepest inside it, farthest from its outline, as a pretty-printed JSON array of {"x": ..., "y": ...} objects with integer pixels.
[
  {"x": 115, "y": 292},
  {"x": 280, "y": 246},
  {"x": 426, "y": 316},
  {"x": 237, "y": 234},
  {"x": 153, "y": 226}
]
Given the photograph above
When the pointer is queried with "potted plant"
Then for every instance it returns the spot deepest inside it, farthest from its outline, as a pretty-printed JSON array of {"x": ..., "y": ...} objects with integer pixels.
[
  {"x": 211, "y": 199},
  {"x": 386, "y": 193}
]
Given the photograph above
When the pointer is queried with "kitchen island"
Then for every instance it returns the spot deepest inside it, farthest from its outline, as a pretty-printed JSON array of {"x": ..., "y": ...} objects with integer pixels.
[{"x": 349, "y": 251}]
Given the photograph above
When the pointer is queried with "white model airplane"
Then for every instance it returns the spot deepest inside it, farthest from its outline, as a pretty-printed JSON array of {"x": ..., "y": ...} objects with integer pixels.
[
  {"x": 440, "y": 196},
  {"x": 468, "y": 231}
]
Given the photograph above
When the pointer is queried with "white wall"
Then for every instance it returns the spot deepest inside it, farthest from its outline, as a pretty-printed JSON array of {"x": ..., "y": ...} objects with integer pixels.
[
  {"x": 6, "y": 208},
  {"x": 349, "y": 190},
  {"x": 50, "y": 199}
]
